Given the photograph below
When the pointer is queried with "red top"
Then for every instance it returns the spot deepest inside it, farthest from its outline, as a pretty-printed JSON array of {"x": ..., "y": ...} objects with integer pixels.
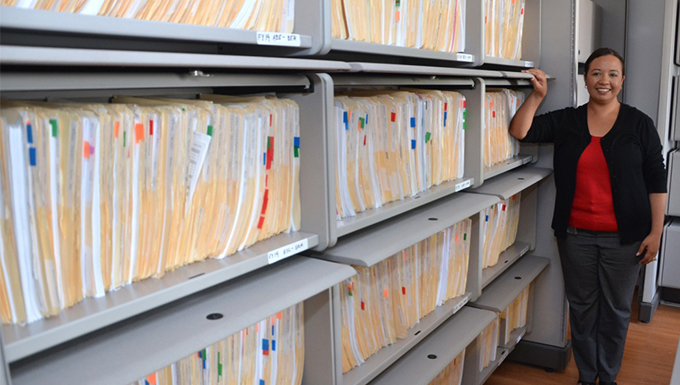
[{"x": 593, "y": 207}]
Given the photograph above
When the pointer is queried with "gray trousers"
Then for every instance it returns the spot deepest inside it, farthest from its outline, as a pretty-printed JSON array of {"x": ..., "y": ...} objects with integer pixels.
[{"x": 599, "y": 279}]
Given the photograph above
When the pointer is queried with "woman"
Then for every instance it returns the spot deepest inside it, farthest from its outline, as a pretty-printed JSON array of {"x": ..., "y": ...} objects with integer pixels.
[{"x": 609, "y": 206}]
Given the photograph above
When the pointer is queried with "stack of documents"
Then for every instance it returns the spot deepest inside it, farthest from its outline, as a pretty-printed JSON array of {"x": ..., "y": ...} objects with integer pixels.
[
  {"x": 488, "y": 343},
  {"x": 500, "y": 107},
  {"x": 382, "y": 302},
  {"x": 515, "y": 315},
  {"x": 268, "y": 352},
  {"x": 499, "y": 229},
  {"x": 259, "y": 15},
  {"x": 97, "y": 196},
  {"x": 503, "y": 27},
  {"x": 437, "y": 25},
  {"x": 396, "y": 144},
  {"x": 453, "y": 373}
]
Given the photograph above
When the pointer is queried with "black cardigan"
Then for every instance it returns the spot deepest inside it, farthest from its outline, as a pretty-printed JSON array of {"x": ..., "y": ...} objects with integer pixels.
[{"x": 632, "y": 150}]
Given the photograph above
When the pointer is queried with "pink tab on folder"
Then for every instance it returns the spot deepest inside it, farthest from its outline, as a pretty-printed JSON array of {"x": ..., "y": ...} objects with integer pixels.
[
  {"x": 116, "y": 128},
  {"x": 86, "y": 150}
]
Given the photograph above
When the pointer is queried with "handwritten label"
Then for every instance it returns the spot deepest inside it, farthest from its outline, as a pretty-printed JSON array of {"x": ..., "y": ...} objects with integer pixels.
[
  {"x": 287, "y": 251},
  {"x": 463, "y": 185},
  {"x": 527, "y": 160},
  {"x": 529, "y": 64},
  {"x": 464, "y": 57},
  {"x": 277, "y": 38}
]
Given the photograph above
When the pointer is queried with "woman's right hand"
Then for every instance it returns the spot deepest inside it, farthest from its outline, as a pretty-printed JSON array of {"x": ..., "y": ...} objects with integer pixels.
[{"x": 539, "y": 81}]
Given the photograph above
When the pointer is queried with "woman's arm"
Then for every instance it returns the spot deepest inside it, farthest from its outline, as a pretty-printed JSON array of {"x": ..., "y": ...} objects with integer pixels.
[
  {"x": 521, "y": 122},
  {"x": 653, "y": 241}
]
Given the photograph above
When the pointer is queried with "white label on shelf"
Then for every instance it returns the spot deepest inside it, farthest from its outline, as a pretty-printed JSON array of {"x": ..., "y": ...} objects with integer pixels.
[
  {"x": 463, "y": 185},
  {"x": 461, "y": 304},
  {"x": 287, "y": 251},
  {"x": 277, "y": 38},
  {"x": 527, "y": 160},
  {"x": 464, "y": 57},
  {"x": 529, "y": 64}
]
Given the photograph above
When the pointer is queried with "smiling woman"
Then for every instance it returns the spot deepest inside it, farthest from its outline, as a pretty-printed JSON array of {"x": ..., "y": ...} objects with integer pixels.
[{"x": 609, "y": 206}]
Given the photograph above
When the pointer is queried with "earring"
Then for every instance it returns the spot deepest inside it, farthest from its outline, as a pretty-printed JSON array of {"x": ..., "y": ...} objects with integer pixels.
[{"x": 585, "y": 86}]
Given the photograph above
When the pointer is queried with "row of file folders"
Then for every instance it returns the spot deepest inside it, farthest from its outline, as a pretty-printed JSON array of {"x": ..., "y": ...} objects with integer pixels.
[
  {"x": 378, "y": 306},
  {"x": 434, "y": 25},
  {"x": 96, "y": 196},
  {"x": 396, "y": 144},
  {"x": 381, "y": 302},
  {"x": 437, "y": 25},
  {"x": 259, "y": 15}
]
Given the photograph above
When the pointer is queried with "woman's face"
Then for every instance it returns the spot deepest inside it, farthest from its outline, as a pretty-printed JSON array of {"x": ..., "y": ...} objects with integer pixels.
[{"x": 604, "y": 79}]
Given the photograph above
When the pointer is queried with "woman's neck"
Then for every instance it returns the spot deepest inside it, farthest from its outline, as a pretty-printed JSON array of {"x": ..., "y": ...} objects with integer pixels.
[{"x": 604, "y": 109}]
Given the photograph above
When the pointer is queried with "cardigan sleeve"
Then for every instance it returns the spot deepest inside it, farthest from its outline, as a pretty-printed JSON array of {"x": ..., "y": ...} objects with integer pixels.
[
  {"x": 653, "y": 168},
  {"x": 543, "y": 127}
]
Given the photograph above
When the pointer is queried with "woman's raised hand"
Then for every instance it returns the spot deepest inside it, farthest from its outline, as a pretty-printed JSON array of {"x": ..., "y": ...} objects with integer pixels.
[{"x": 539, "y": 81}]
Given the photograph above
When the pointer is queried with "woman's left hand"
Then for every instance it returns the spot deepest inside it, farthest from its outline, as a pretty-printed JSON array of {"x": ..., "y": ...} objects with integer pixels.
[{"x": 648, "y": 248}]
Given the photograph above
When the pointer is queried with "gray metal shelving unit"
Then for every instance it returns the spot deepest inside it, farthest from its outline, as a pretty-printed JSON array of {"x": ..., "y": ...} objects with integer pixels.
[
  {"x": 382, "y": 76},
  {"x": 129, "y": 351},
  {"x": 374, "y": 244},
  {"x": 474, "y": 53},
  {"x": 122, "y": 317},
  {"x": 497, "y": 297},
  {"x": 424, "y": 362},
  {"x": 120, "y": 338}
]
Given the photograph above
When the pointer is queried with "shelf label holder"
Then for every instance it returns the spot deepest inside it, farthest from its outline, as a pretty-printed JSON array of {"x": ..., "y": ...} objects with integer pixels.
[
  {"x": 278, "y": 39},
  {"x": 287, "y": 251}
]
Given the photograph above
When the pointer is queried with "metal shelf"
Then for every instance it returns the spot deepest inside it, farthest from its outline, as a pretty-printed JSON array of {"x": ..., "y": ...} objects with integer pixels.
[
  {"x": 379, "y": 362},
  {"x": 129, "y": 351},
  {"x": 370, "y": 217},
  {"x": 498, "y": 295},
  {"x": 69, "y": 81},
  {"x": 95, "y": 313},
  {"x": 505, "y": 260},
  {"x": 445, "y": 343},
  {"x": 405, "y": 69},
  {"x": 510, "y": 183},
  {"x": 391, "y": 50},
  {"x": 25, "y": 55},
  {"x": 507, "y": 62},
  {"x": 372, "y": 245},
  {"x": 505, "y": 166},
  {"x": 359, "y": 80}
]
